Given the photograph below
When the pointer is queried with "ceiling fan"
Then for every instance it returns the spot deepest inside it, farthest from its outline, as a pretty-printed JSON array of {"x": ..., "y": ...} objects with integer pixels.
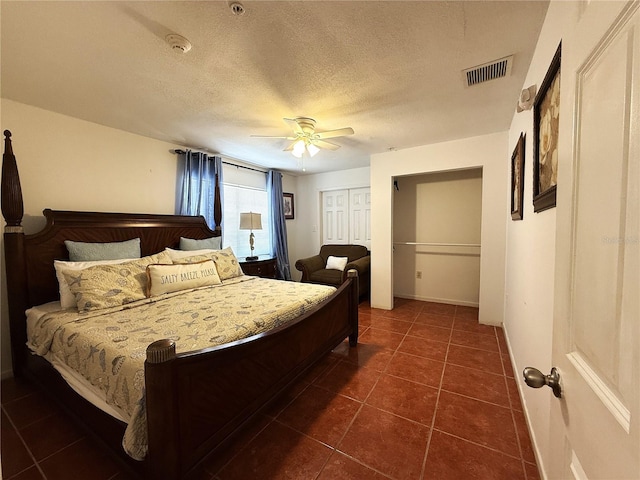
[{"x": 306, "y": 139}]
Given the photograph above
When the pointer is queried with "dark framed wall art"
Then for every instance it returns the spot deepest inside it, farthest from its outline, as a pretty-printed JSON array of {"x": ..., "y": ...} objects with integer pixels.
[
  {"x": 517, "y": 179},
  {"x": 287, "y": 200},
  {"x": 546, "y": 113}
]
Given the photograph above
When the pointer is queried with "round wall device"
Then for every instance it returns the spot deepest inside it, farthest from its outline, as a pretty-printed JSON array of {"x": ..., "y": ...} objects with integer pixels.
[{"x": 178, "y": 43}]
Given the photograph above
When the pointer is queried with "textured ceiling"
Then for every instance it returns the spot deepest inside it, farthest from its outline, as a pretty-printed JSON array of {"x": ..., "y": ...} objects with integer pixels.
[{"x": 390, "y": 70}]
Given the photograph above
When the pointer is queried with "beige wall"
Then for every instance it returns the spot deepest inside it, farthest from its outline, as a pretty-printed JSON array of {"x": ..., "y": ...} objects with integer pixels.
[
  {"x": 487, "y": 152},
  {"x": 441, "y": 207},
  {"x": 70, "y": 164}
]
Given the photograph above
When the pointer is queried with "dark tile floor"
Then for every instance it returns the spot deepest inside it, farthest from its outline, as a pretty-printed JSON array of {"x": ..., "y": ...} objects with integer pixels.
[{"x": 427, "y": 394}]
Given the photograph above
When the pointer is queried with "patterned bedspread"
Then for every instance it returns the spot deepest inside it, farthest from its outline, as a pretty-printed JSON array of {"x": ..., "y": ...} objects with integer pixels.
[{"x": 108, "y": 347}]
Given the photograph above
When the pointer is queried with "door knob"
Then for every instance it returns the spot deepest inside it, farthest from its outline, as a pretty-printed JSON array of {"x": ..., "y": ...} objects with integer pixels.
[{"x": 536, "y": 379}]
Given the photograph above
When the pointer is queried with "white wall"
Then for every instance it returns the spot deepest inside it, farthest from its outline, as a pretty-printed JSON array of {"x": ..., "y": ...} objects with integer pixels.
[
  {"x": 488, "y": 152},
  {"x": 444, "y": 207},
  {"x": 70, "y": 164},
  {"x": 308, "y": 224}
]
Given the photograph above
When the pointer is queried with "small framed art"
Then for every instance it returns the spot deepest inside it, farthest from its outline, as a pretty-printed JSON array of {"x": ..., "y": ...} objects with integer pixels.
[
  {"x": 287, "y": 200},
  {"x": 546, "y": 113},
  {"x": 517, "y": 179}
]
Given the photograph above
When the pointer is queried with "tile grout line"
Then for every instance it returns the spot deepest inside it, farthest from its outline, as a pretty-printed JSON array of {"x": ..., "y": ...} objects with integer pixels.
[
  {"x": 513, "y": 417},
  {"x": 353, "y": 419},
  {"x": 24, "y": 444},
  {"x": 435, "y": 409},
  {"x": 363, "y": 403},
  {"x": 271, "y": 420}
]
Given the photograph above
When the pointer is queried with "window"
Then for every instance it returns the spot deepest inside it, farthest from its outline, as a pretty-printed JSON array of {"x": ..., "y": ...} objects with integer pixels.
[{"x": 245, "y": 190}]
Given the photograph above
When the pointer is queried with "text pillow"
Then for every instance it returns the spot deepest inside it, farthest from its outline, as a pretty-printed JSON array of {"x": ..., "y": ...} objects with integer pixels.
[
  {"x": 175, "y": 277},
  {"x": 337, "y": 263}
]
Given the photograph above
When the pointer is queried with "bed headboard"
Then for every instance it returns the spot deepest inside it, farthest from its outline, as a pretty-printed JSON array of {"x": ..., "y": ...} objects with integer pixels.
[
  {"x": 155, "y": 232},
  {"x": 29, "y": 259}
]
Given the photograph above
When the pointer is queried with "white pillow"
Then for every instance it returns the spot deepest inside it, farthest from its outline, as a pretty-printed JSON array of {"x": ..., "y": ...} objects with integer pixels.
[
  {"x": 67, "y": 298},
  {"x": 180, "y": 254},
  {"x": 337, "y": 263}
]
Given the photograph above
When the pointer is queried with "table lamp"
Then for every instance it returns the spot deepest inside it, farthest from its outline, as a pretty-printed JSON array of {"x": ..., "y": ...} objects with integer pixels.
[{"x": 251, "y": 221}]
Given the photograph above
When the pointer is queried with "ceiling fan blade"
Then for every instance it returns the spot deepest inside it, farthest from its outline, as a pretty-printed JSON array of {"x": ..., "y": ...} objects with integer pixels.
[
  {"x": 293, "y": 123},
  {"x": 289, "y": 148},
  {"x": 324, "y": 144},
  {"x": 271, "y": 136},
  {"x": 340, "y": 132}
]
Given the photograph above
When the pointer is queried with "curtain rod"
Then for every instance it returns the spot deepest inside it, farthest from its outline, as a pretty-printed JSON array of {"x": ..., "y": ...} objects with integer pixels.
[
  {"x": 242, "y": 166},
  {"x": 181, "y": 152}
]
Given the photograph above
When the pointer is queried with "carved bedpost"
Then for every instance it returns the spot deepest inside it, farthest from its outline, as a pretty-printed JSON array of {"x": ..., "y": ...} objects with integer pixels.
[
  {"x": 160, "y": 390},
  {"x": 12, "y": 207},
  {"x": 353, "y": 306},
  {"x": 12, "y": 211},
  {"x": 217, "y": 206}
]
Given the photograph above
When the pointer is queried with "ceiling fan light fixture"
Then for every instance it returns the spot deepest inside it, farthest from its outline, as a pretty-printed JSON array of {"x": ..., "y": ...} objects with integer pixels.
[
  {"x": 312, "y": 149},
  {"x": 298, "y": 148},
  {"x": 306, "y": 140}
]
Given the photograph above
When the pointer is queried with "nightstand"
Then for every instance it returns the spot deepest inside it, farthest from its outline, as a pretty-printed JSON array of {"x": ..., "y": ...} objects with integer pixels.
[{"x": 263, "y": 267}]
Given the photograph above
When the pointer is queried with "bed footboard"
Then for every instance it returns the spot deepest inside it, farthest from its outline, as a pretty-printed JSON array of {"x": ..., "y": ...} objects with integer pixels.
[{"x": 197, "y": 400}]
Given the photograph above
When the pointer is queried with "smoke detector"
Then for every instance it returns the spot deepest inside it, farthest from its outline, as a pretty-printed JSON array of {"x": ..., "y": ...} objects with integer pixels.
[
  {"x": 237, "y": 8},
  {"x": 178, "y": 43}
]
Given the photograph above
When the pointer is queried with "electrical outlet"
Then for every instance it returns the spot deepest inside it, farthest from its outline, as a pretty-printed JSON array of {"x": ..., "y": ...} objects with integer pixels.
[{"x": 418, "y": 274}]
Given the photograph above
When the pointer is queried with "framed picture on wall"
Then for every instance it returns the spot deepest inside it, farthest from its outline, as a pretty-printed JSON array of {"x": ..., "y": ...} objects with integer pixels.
[
  {"x": 546, "y": 113},
  {"x": 517, "y": 179},
  {"x": 287, "y": 199}
]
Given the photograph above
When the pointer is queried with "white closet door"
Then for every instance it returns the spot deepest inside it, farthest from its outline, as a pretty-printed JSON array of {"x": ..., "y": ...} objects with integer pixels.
[
  {"x": 360, "y": 217},
  {"x": 335, "y": 216}
]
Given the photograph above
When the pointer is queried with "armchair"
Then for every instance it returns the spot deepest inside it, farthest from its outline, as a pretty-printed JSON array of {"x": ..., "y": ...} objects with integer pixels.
[{"x": 314, "y": 268}]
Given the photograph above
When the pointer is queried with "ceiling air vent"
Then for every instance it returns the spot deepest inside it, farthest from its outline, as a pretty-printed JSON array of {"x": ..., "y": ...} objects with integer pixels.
[{"x": 488, "y": 71}]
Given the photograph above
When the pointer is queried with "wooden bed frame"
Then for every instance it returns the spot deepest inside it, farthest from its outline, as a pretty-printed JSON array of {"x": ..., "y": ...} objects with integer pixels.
[{"x": 195, "y": 401}]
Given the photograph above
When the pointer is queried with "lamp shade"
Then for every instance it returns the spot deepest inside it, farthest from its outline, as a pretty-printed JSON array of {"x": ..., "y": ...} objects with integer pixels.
[{"x": 250, "y": 221}]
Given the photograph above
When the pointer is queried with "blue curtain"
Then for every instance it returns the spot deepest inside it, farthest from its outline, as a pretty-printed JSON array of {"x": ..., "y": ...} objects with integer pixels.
[
  {"x": 198, "y": 185},
  {"x": 278, "y": 224}
]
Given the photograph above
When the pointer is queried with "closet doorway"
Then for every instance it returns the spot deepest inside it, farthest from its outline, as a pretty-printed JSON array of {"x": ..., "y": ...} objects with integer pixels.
[{"x": 436, "y": 237}]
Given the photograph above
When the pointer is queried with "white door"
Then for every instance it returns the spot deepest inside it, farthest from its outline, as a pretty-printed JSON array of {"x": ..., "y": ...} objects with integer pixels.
[
  {"x": 596, "y": 426},
  {"x": 360, "y": 216},
  {"x": 335, "y": 216}
]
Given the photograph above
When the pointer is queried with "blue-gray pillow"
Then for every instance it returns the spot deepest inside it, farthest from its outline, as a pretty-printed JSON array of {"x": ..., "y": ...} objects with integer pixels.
[
  {"x": 89, "y": 252},
  {"x": 213, "y": 243}
]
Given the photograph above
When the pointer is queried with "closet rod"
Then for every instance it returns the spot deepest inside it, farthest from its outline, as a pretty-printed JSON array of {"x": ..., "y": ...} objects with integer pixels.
[{"x": 439, "y": 244}]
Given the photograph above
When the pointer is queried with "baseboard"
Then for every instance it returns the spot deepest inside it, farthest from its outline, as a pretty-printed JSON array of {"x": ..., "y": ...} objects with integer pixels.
[
  {"x": 462, "y": 303},
  {"x": 525, "y": 410}
]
